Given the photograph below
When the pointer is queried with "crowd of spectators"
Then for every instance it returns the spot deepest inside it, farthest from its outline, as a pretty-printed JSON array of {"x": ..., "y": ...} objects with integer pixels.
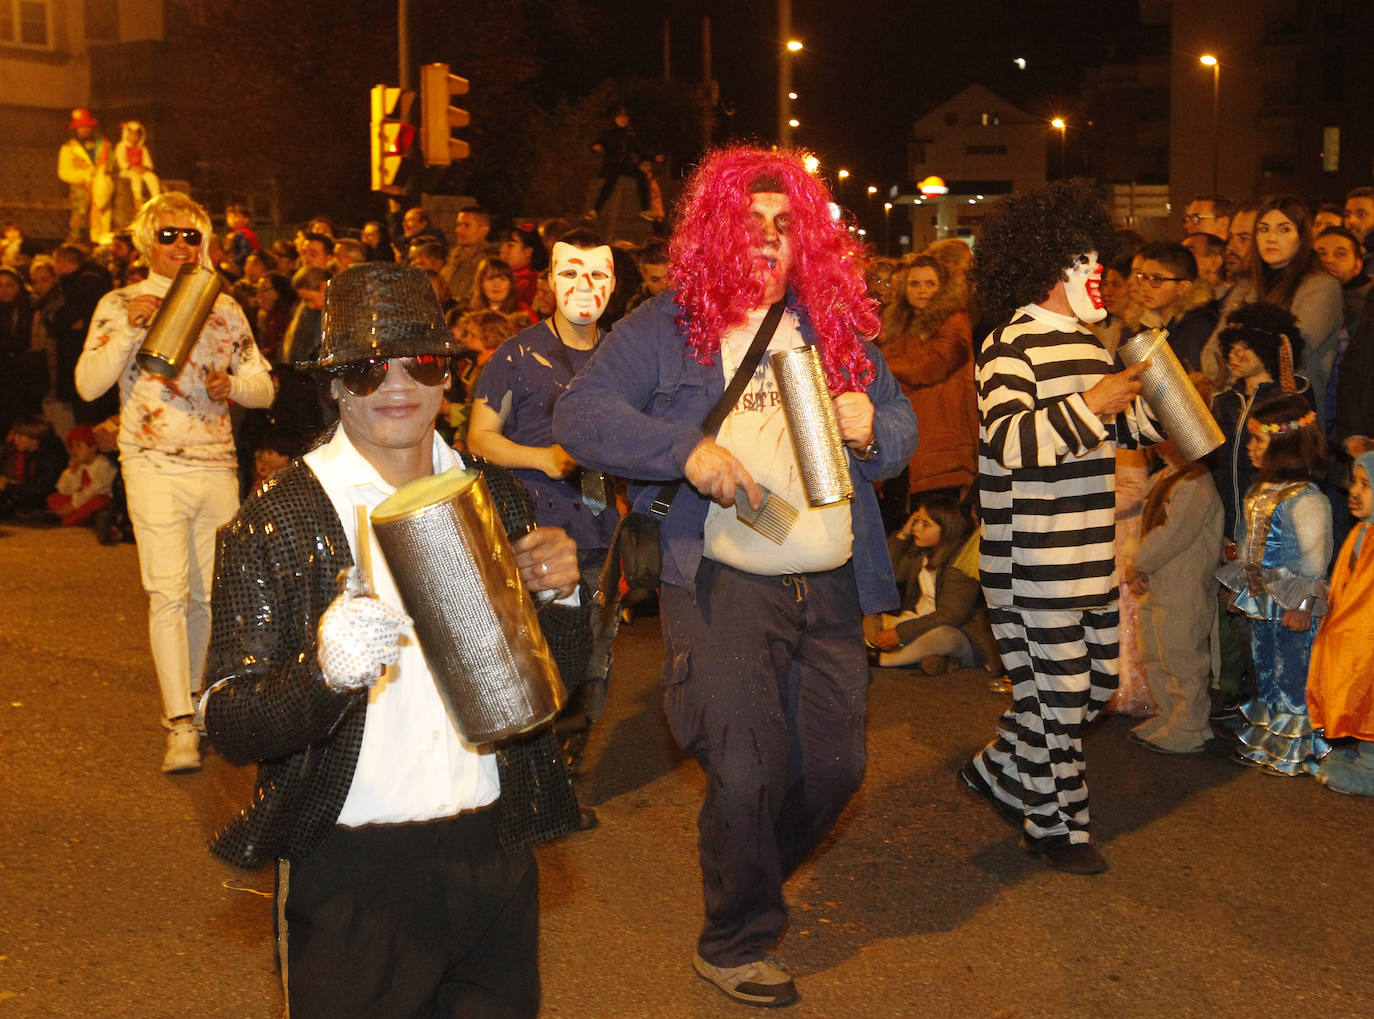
[{"x": 1242, "y": 276}]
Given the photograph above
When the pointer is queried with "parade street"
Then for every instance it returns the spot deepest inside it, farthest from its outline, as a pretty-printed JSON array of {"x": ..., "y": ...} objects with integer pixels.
[{"x": 1231, "y": 893}]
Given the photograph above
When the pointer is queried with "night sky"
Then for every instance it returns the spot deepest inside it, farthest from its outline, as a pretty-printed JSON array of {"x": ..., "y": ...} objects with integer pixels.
[{"x": 870, "y": 66}]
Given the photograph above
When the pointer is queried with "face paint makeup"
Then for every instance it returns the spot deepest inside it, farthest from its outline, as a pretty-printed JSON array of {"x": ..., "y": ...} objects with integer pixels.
[
  {"x": 582, "y": 281},
  {"x": 1083, "y": 288}
]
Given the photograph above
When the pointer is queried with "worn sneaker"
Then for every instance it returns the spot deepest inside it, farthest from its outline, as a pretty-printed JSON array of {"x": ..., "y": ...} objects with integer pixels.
[
  {"x": 183, "y": 748},
  {"x": 1069, "y": 857},
  {"x": 764, "y": 982}
]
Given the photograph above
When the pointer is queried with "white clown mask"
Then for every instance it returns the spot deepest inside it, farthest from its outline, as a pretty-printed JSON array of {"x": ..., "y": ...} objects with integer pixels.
[
  {"x": 1083, "y": 288},
  {"x": 582, "y": 281}
]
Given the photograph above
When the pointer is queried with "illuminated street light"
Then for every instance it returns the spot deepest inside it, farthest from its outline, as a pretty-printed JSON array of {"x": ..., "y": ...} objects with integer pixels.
[
  {"x": 1059, "y": 125},
  {"x": 887, "y": 230},
  {"x": 872, "y": 190},
  {"x": 811, "y": 162},
  {"x": 786, "y": 95},
  {"x": 844, "y": 175},
  {"x": 1208, "y": 60},
  {"x": 794, "y": 122}
]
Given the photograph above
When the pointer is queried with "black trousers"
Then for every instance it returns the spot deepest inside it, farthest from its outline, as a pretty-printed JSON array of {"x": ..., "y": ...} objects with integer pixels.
[
  {"x": 430, "y": 919},
  {"x": 613, "y": 174},
  {"x": 766, "y": 684}
]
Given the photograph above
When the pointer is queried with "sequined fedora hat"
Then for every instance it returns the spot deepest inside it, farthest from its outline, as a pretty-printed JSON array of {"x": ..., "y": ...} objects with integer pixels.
[{"x": 378, "y": 310}]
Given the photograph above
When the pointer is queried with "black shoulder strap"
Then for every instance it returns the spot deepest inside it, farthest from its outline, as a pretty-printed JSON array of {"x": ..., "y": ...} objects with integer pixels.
[
  {"x": 664, "y": 500},
  {"x": 745, "y": 371}
]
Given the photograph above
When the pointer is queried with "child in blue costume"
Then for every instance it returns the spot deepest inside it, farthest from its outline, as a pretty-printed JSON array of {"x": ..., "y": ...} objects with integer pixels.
[{"x": 1278, "y": 580}]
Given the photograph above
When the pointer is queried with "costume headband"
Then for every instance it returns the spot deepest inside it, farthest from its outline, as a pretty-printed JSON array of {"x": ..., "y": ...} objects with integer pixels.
[{"x": 1280, "y": 427}]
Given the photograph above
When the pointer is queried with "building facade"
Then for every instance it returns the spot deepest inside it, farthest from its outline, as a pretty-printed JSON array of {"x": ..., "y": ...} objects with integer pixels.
[
  {"x": 982, "y": 147},
  {"x": 59, "y": 55}
]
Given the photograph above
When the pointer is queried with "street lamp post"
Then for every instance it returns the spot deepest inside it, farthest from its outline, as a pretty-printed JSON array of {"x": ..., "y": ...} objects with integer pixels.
[
  {"x": 1059, "y": 125},
  {"x": 887, "y": 228},
  {"x": 1208, "y": 60},
  {"x": 788, "y": 46}
]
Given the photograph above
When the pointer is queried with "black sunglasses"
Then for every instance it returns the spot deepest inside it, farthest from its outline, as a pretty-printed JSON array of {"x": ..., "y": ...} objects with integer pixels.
[
  {"x": 168, "y": 234},
  {"x": 361, "y": 378}
]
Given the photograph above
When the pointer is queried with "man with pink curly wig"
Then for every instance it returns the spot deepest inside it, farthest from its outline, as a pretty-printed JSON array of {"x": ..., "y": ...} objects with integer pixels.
[{"x": 766, "y": 678}]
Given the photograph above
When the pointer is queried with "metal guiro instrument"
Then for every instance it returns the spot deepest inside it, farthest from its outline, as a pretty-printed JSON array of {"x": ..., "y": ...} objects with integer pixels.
[
  {"x": 179, "y": 320},
  {"x": 1184, "y": 416},
  {"x": 811, "y": 421},
  {"x": 455, "y": 570}
]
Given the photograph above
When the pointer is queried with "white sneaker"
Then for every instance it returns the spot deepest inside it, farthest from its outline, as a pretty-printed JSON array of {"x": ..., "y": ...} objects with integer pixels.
[
  {"x": 183, "y": 748},
  {"x": 764, "y": 982}
]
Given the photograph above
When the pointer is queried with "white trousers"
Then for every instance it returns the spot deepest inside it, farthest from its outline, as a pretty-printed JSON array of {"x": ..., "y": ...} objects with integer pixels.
[{"x": 175, "y": 511}]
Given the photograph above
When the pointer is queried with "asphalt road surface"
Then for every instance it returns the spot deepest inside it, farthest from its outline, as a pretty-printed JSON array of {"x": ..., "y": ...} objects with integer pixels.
[{"x": 1231, "y": 893}]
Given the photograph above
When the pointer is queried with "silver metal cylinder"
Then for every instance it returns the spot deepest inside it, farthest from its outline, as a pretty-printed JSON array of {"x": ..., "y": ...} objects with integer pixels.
[
  {"x": 179, "y": 320},
  {"x": 1185, "y": 418},
  {"x": 815, "y": 432},
  {"x": 455, "y": 570}
]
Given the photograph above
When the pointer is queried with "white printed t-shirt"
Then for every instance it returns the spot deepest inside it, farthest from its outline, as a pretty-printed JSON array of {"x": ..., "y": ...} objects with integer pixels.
[{"x": 756, "y": 432}]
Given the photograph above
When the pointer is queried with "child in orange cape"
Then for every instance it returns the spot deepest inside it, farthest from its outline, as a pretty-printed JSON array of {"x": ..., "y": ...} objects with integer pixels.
[{"x": 1340, "y": 681}]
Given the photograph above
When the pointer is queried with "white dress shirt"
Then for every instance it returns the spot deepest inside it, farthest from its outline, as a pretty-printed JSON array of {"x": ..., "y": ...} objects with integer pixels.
[{"x": 412, "y": 766}]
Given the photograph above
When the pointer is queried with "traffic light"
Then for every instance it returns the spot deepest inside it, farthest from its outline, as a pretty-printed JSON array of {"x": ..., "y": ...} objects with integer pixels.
[
  {"x": 438, "y": 118},
  {"x": 392, "y": 136}
]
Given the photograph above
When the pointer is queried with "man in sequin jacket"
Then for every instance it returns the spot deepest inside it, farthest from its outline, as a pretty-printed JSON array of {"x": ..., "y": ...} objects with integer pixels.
[{"x": 405, "y": 880}]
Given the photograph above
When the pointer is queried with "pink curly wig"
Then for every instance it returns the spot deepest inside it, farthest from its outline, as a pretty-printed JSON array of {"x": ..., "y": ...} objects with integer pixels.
[{"x": 712, "y": 266}]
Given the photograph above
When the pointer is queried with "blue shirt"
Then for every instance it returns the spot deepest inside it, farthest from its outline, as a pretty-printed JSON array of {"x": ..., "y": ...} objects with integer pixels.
[{"x": 534, "y": 367}]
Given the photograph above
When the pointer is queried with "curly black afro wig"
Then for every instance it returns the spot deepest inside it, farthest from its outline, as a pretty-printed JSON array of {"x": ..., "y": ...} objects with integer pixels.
[
  {"x": 1028, "y": 241},
  {"x": 1259, "y": 326}
]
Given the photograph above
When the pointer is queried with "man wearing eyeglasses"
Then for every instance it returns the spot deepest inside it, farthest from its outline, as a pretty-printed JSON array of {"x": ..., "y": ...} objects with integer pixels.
[
  {"x": 1177, "y": 300},
  {"x": 176, "y": 449},
  {"x": 405, "y": 881},
  {"x": 1209, "y": 214}
]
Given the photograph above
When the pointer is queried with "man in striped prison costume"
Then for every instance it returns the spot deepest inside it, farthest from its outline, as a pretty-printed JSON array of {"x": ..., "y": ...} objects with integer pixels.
[{"x": 1052, "y": 413}]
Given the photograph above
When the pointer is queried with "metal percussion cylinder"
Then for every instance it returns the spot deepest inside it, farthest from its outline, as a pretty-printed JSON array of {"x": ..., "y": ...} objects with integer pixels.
[
  {"x": 455, "y": 570},
  {"x": 815, "y": 432},
  {"x": 1186, "y": 420},
  {"x": 179, "y": 320}
]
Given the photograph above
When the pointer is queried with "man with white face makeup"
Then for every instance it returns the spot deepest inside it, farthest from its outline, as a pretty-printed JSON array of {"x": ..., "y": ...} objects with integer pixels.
[
  {"x": 512, "y": 413},
  {"x": 512, "y": 426},
  {"x": 1052, "y": 413}
]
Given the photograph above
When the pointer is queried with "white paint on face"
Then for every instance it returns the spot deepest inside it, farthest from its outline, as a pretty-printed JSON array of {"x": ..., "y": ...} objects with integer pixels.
[
  {"x": 1083, "y": 288},
  {"x": 582, "y": 281}
]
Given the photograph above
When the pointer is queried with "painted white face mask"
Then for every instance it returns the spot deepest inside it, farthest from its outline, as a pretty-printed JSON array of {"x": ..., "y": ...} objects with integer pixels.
[
  {"x": 1083, "y": 288},
  {"x": 582, "y": 281}
]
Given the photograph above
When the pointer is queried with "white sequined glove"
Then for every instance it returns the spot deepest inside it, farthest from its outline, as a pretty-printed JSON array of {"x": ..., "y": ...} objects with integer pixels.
[{"x": 359, "y": 634}]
